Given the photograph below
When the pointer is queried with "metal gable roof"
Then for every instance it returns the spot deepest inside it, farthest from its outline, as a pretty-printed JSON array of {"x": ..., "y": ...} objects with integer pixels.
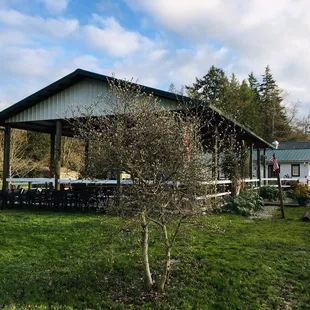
[
  {"x": 68, "y": 81},
  {"x": 293, "y": 155}
]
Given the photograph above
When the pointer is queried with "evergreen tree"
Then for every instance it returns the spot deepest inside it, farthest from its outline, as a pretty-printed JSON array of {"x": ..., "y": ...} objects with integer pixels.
[
  {"x": 249, "y": 109},
  {"x": 275, "y": 124},
  {"x": 211, "y": 88},
  {"x": 253, "y": 83},
  {"x": 231, "y": 103},
  {"x": 172, "y": 88},
  {"x": 256, "y": 105}
]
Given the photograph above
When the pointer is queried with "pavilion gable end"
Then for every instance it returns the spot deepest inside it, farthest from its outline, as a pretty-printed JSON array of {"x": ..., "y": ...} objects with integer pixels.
[{"x": 60, "y": 105}]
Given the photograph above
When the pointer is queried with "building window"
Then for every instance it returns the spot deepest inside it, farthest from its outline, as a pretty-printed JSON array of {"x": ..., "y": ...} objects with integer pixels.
[
  {"x": 295, "y": 170},
  {"x": 271, "y": 173}
]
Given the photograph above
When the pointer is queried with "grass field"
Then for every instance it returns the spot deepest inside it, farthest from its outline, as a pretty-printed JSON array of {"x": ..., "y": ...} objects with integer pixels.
[{"x": 91, "y": 261}]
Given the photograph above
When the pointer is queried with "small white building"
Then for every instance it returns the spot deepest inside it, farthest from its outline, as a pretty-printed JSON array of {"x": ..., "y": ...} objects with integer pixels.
[{"x": 293, "y": 159}]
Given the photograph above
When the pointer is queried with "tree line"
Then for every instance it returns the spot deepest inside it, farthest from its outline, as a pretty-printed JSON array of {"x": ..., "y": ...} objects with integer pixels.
[{"x": 255, "y": 103}]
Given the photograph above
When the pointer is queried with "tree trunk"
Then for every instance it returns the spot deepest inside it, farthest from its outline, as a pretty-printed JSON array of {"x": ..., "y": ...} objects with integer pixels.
[
  {"x": 145, "y": 250},
  {"x": 167, "y": 266},
  {"x": 166, "y": 271}
]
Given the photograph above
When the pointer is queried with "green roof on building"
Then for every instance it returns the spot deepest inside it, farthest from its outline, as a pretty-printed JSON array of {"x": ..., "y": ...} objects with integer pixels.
[
  {"x": 293, "y": 155},
  {"x": 290, "y": 152}
]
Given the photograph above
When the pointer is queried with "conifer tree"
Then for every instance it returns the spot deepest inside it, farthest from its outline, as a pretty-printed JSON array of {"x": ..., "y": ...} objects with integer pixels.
[
  {"x": 211, "y": 88},
  {"x": 249, "y": 108},
  {"x": 256, "y": 105},
  {"x": 275, "y": 123}
]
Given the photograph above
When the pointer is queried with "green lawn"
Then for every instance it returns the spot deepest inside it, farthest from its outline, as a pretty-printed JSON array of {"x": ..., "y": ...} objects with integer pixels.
[{"x": 91, "y": 261}]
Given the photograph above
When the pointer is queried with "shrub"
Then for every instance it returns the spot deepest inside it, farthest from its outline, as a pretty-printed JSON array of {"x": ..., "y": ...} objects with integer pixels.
[
  {"x": 301, "y": 191},
  {"x": 268, "y": 192},
  {"x": 247, "y": 203}
]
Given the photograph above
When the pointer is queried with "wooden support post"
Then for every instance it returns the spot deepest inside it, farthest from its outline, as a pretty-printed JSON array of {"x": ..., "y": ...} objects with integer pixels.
[
  {"x": 57, "y": 154},
  {"x": 52, "y": 155},
  {"x": 264, "y": 164},
  {"x": 258, "y": 174},
  {"x": 251, "y": 162},
  {"x": 6, "y": 156}
]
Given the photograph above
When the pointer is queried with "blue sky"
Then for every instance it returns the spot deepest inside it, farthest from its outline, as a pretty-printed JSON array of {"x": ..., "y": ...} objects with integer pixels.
[{"x": 154, "y": 42}]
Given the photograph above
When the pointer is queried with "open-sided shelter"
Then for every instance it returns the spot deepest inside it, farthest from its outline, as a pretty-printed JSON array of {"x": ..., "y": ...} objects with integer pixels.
[{"x": 47, "y": 110}]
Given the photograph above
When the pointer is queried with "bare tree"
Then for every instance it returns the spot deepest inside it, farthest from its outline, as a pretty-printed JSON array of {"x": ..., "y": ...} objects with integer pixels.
[
  {"x": 72, "y": 153},
  {"x": 20, "y": 164},
  {"x": 162, "y": 152}
]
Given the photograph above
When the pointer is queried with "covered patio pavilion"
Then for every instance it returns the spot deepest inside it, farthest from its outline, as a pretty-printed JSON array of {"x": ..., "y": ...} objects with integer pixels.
[{"x": 46, "y": 111}]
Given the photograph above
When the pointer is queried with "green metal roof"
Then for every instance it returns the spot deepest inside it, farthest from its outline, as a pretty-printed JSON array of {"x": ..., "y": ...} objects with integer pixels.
[{"x": 293, "y": 155}]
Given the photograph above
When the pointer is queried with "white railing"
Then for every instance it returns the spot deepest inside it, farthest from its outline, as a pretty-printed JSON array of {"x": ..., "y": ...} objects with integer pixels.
[
  {"x": 219, "y": 193},
  {"x": 282, "y": 179},
  {"x": 24, "y": 181}
]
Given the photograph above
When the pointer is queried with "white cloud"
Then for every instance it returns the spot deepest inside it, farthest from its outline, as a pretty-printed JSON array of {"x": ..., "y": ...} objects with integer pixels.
[
  {"x": 107, "y": 35},
  {"x": 238, "y": 36},
  {"x": 257, "y": 32},
  {"x": 25, "y": 70},
  {"x": 108, "y": 5},
  {"x": 160, "y": 67},
  {"x": 37, "y": 26},
  {"x": 13, "y": 37},
  {"x": 85, "y": 62},
  {"x": 31, "y": 52},
  {"x": 29, "y": 62},
  {"x": 56, "y": 6}
]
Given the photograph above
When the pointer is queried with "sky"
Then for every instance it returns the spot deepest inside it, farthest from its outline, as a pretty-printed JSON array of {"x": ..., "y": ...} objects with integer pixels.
[{"x": 154, "y": 42}]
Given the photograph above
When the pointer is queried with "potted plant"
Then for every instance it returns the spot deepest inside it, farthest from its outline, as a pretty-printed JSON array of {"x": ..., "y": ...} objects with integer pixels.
[{"x": 302, "y": 194}]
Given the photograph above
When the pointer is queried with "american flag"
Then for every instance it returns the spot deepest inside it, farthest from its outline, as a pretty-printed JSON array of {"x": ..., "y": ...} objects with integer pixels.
[{"x": 274, "y": 162}]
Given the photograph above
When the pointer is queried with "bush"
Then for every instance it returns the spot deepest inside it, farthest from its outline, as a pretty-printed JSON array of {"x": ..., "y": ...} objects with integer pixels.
[
  {"x": 247, "y": 203},
  {"x": 301, "y": 191},
  {"x": 268, "y": 192}
]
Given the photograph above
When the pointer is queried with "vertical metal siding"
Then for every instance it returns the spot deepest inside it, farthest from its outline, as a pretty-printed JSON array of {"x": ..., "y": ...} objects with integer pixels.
[{"x": 60, "y": 105}]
